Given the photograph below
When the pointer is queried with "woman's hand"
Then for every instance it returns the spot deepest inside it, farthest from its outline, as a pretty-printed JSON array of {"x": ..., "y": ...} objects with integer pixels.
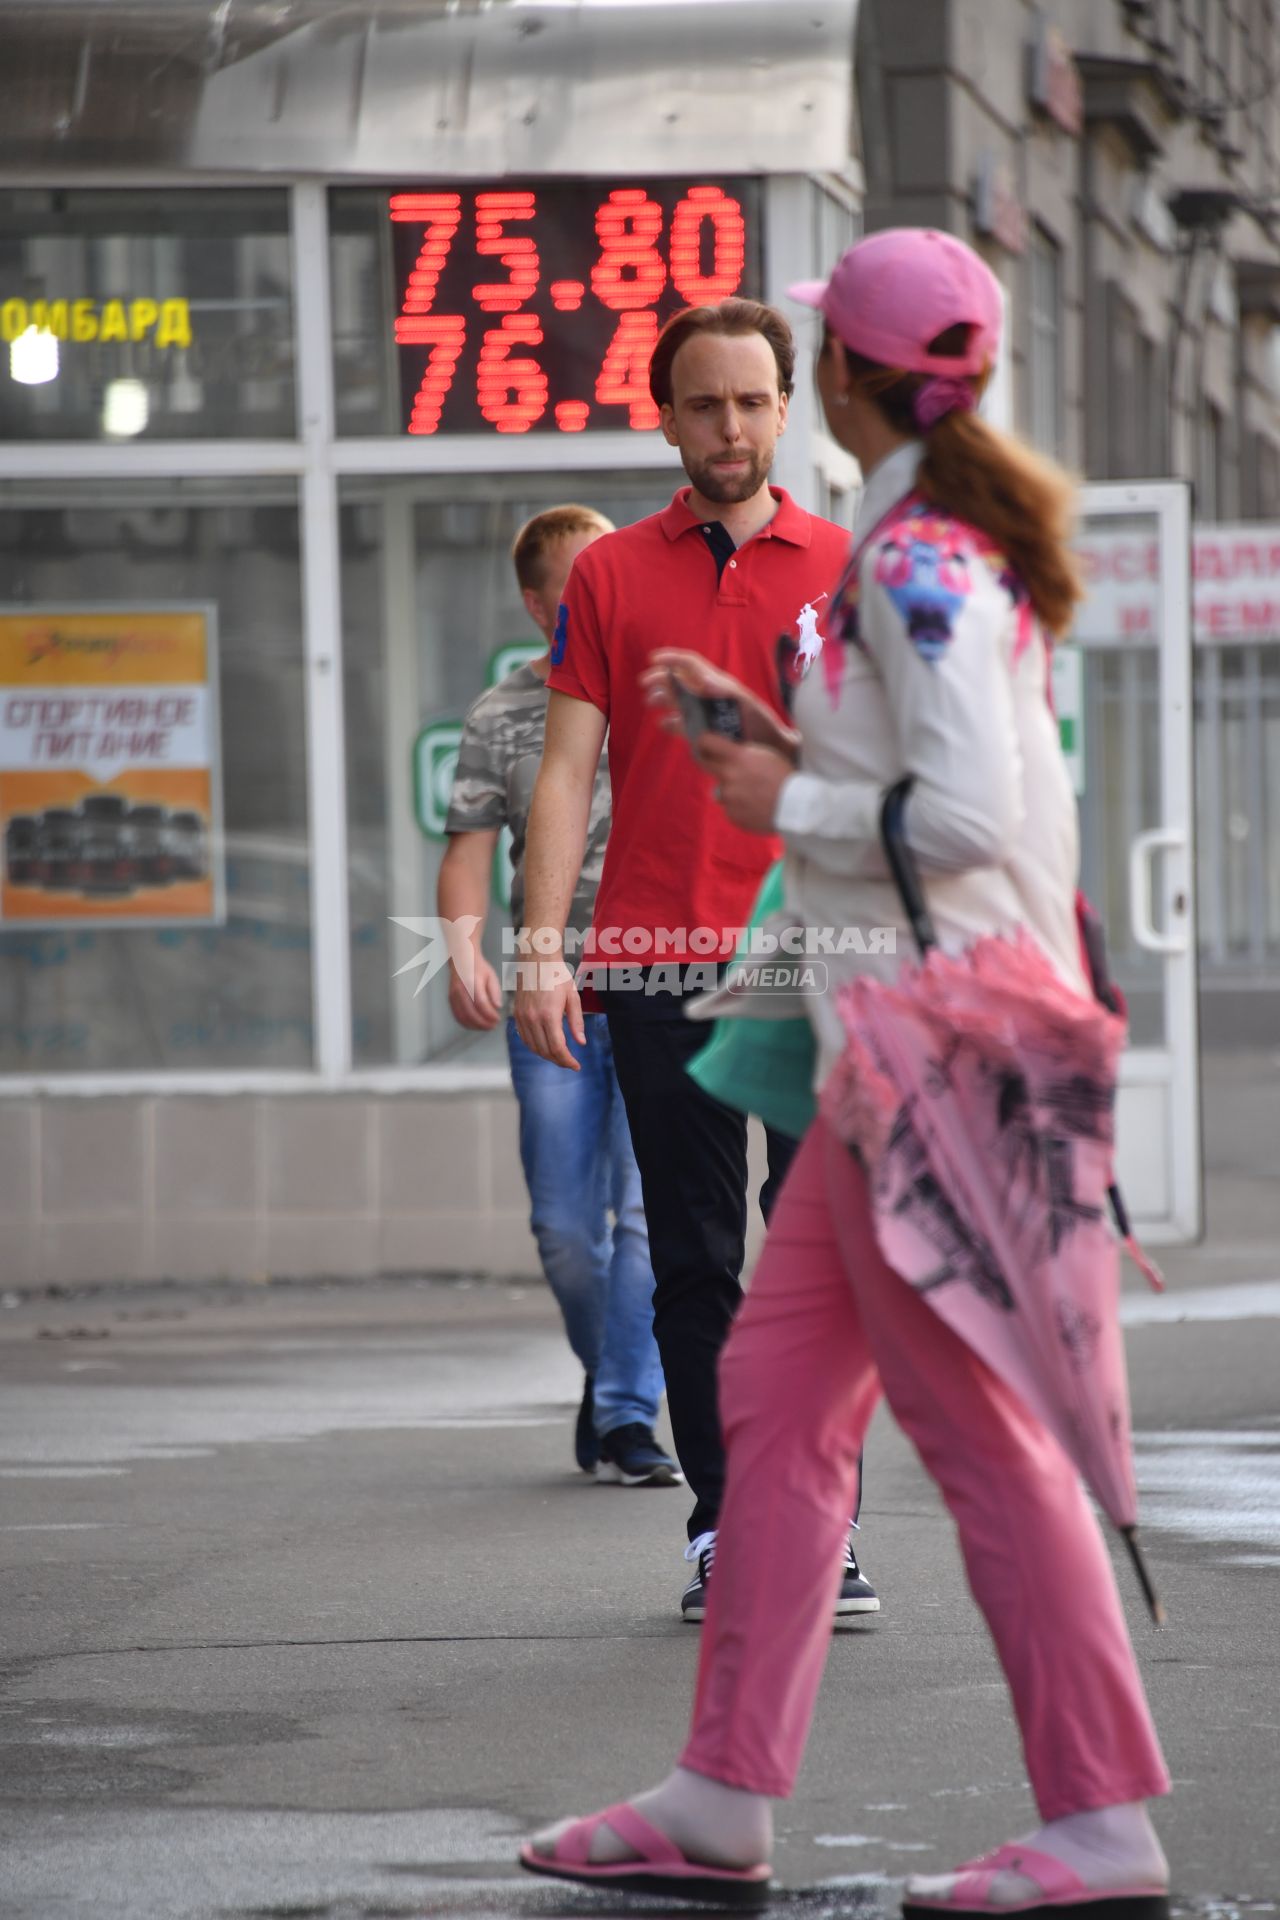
[
  {"x": 748, "y": 780},
  {"x": 760, "y": 725},
  {"x": 692, "y": 670}
]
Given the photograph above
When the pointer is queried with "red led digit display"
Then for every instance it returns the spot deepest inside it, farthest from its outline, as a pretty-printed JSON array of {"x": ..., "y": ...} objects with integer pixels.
[
  {"x": 443, "y": 336},
  {"x": 534, "y": 309},
  {"x": 495, "y": 213},
  {"x": 511, "y": 394},
  {"x": 437, "y": 216},
  {"x": 624, "y": 378},
  {"x": 729, "y": 246},
  {"x": 630, "y": 271}
]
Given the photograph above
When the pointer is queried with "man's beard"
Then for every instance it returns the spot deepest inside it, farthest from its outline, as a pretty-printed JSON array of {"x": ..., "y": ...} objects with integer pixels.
[{"x": 727, "y": 489}]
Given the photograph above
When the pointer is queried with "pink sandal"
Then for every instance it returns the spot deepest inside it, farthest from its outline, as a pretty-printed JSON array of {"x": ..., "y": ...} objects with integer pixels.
[
  {"x": 659, "y": 1866},
  {"x": 1059, "y": 1889}
]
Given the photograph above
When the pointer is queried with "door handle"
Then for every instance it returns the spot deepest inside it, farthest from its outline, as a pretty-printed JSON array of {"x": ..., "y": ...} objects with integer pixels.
[{"x": 1141, "y": 862}]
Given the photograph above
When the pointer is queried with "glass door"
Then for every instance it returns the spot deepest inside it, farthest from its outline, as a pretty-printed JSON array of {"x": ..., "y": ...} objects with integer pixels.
[{"x": 1123, "y": 689}]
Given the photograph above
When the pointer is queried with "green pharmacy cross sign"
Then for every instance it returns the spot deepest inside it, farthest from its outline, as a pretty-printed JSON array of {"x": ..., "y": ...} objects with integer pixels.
[
  {"x": 505, "y": 660},
  {"x": 435, "y": 761}
]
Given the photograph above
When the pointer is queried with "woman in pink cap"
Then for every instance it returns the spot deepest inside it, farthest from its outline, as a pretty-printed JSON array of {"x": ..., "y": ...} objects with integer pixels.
[{"x": 934, "y": 666}]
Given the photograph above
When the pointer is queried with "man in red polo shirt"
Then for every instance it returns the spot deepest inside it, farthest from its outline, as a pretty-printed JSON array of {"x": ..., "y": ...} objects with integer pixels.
[{"x": 723, "y": 572}]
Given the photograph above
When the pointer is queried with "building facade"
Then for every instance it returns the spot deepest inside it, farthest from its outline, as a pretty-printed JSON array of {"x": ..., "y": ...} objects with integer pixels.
[
  {"x": 295, "y": 338},
  {"x": 1118, "y": 162}
]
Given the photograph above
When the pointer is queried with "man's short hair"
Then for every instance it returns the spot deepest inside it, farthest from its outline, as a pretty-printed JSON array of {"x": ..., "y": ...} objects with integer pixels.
[
  {"x": 529, "y": 548},
  {"x": 732, "y": 317}
]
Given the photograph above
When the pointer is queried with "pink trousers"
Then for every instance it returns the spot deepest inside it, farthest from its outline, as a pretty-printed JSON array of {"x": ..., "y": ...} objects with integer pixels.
[{"x": 826, "y": 1326}]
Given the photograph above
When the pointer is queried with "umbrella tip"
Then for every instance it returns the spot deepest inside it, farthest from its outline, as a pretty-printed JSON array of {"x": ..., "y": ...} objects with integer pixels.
[
  {"x": 1155, "y": 1606},
  {"x": 1145, "y": 1264}
]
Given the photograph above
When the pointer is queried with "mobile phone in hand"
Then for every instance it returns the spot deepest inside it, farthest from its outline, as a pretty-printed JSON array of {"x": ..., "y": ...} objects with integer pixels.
[{"x": 708, "y": 713}]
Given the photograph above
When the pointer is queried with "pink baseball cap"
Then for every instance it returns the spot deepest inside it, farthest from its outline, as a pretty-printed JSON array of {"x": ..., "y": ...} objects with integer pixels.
[{"x": 893, "y": 292}]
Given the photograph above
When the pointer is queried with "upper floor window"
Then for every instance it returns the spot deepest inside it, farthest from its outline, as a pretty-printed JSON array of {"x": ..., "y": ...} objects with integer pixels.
[
  {"x": 1125, "y": 404},
  {"x": 1210, "y": 456},
  {"x": 1045, "y": 346}
]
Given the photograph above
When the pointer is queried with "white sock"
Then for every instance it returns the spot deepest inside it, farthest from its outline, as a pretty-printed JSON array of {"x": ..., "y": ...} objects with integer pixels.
[
  {"x": 717, "y": 1826},
  {"x": 1110, "y": 1848}
]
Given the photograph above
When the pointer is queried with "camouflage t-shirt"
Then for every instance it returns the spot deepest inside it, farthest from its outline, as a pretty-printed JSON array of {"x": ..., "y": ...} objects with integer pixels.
[{"x": 493, "y": 787}]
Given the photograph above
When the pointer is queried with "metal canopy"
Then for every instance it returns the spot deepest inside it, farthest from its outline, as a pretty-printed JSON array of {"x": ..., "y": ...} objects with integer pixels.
[{"x": 425, "y": 87}]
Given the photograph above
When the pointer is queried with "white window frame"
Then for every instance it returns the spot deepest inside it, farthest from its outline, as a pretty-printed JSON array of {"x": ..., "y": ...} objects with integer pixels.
[
  {"x": 1170, "y": 1071},
  {"x": 319, "y": 460}
]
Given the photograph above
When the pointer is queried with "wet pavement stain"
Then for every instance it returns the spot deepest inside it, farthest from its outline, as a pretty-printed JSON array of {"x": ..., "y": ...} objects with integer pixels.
[
  {"x": 1221, "y": 1488},
  {"x": 502, "y": 1901},
  {"x": 56, "y": 1752}
]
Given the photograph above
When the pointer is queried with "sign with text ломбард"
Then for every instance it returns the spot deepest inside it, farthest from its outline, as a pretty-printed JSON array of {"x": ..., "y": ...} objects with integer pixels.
[{"x": 110, "y": 797}]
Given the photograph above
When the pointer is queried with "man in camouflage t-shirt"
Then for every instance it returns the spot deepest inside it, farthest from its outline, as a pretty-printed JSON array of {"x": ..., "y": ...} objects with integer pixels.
[{"x": 574, "y": 1141}]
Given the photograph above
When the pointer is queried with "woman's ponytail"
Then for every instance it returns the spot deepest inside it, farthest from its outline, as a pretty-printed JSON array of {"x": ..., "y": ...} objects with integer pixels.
[{"x": 1023, "y": 502}]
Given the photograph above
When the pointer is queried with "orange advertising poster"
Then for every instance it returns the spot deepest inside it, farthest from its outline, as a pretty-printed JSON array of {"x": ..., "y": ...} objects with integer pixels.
[{"x": 109, "y": 792}]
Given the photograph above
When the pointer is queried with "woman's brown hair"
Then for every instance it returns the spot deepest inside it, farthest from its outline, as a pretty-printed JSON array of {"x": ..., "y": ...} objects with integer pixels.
[{"x": 1022, "y": 501}]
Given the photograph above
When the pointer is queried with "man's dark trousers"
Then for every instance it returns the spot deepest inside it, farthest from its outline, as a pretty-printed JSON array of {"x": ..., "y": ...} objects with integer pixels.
[{"x": 692, "y": 1155}]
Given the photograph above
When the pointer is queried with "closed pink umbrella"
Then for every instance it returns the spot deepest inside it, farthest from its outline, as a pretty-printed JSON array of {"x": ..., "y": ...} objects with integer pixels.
[{"x": 979, "y": 1091}]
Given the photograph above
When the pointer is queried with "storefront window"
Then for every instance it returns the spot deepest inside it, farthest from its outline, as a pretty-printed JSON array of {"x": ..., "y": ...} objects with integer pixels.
[
  {"x": 145, "y": 315},
  {"x": 430, "y": 615},
  {"x": 156, "y": 883},
  {"x": 513, "y": 307}
]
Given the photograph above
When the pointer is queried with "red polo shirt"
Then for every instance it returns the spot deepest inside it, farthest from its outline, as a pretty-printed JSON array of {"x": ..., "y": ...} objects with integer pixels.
[{"x": 673, "y": 861}]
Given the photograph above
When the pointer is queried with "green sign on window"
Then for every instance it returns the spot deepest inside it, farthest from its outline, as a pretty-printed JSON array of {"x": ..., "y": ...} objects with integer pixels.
[
  {"x": 1068, "y": 704},
  {"x": 435, "y": 761},
  {"x": 516, "y": 653}
]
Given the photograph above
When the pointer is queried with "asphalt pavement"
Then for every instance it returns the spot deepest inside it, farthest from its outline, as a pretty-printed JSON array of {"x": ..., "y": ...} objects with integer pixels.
[{"x": 306, "y": 1612}]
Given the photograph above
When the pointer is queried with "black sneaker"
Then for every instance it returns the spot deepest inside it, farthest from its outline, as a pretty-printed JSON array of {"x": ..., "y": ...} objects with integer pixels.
[
  {"x": 586, "y": 1442},
  {"x": 693, "y": 1601},
  {"x": 856, "y": 1594},
  {"x": 631, "y": 1457}
]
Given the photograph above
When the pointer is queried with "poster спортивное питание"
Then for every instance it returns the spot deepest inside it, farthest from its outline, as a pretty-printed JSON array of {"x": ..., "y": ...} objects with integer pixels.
[{"x": 109, "y": 792}]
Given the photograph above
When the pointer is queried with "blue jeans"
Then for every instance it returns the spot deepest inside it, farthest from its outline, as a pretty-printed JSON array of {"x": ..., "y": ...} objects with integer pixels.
[{"x": 579, "y": 1167}]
